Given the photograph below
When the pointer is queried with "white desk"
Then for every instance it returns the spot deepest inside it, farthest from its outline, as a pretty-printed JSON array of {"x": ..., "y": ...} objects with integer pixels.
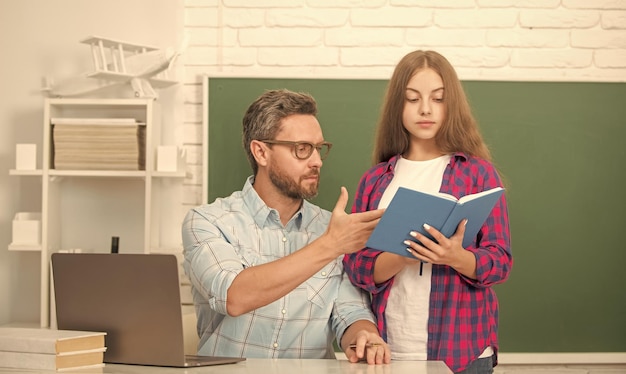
[{"x": 269, "y": 366}]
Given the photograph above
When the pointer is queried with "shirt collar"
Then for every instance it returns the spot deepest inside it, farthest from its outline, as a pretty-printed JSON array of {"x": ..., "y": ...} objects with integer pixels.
[{"x": 262, "y": 214}]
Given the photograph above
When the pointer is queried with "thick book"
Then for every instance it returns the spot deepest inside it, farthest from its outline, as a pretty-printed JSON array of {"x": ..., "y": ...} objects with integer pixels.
[
  {"x": 41, "y": 340},
  {"x": 51, "y": 361},
  {"x": 409, "y": 210}
]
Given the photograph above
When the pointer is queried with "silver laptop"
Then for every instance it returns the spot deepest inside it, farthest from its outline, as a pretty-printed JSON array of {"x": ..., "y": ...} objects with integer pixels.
[{"x": 134, "y": 298}]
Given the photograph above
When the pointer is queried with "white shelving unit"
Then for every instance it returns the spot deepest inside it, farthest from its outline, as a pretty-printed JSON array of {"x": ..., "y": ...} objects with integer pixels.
[{"x": 83, "y": 209}]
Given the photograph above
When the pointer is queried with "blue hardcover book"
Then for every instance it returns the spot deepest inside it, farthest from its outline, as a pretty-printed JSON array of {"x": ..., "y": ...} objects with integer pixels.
[{"x": 409, "y": 210}]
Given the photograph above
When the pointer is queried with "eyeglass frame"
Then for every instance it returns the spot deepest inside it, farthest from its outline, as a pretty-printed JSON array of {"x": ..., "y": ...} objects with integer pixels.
[{"x": 295, "y": 144}]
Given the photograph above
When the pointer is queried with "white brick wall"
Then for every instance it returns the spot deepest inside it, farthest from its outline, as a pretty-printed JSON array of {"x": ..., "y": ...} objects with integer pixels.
[{"x": 567, "y": 40}]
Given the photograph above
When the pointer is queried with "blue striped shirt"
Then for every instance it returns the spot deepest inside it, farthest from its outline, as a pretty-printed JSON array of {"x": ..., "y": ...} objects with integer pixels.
[{"x": 223, "y": 238}]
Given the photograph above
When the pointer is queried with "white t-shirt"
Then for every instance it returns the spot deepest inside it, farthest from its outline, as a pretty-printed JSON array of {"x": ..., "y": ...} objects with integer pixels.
[
  {"x": 407, "y": 306},
  {"x": 409, "y": 298}
]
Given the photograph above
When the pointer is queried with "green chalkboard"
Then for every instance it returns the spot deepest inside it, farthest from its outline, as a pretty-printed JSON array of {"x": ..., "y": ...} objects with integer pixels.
[{"x": 561, "y": 148}]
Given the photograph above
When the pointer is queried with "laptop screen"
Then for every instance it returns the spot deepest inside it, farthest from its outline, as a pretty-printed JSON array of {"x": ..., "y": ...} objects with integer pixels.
[{"x": 134, "y": 298}]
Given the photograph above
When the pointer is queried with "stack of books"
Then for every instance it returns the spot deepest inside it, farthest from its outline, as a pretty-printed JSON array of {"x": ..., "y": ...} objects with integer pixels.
[
  {"x": 98, "y": 144},
  {"x": 47, "y": 349}
]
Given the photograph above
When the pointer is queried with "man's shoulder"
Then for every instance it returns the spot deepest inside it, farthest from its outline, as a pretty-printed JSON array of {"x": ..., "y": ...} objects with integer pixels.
[{"x": 231, "y": 203}]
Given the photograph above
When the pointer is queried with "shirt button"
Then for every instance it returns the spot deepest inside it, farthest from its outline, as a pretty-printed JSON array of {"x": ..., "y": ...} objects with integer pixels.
[
  {"x": 323, "y": 273},
  {"x": 275, "y": 345},
  {"x": 283, "y": 311},
  {"x": 284, "y": 239}
]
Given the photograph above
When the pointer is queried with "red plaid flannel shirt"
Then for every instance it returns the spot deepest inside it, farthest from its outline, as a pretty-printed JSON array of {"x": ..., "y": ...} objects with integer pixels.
[{"x": 463, "y": 312}]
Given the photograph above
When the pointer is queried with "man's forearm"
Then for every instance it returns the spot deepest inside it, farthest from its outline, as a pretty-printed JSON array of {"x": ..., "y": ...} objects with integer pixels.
[{"x": 260, "y": 285}]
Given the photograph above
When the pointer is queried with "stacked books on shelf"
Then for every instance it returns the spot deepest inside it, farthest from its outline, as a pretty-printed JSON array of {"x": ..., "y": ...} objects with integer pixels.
[
  {"x": 98, "y": 144},
  {"x": 48, "y": 349}
]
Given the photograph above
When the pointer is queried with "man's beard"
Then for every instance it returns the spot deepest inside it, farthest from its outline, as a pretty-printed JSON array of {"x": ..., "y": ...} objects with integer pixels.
[{"x": 289, "y": 187}]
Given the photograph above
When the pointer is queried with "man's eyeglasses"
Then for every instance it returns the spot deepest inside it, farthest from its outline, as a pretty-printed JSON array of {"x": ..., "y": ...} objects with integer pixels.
[{"x": 304, "y": 150}]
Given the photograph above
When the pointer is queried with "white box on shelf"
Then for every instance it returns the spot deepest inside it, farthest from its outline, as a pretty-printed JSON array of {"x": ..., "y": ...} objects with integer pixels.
[
  {"x": 167, "y": 158},
  {"x": 25, "y": 156},
  {"x": 27, "y": 228}
]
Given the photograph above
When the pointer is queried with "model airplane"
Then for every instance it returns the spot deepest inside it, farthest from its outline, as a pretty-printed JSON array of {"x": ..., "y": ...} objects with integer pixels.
[{"x": 116, "y": 62}]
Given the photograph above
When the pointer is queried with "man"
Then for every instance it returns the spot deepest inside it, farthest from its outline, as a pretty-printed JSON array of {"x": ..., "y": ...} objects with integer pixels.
[{"x": 265, "y": 264}]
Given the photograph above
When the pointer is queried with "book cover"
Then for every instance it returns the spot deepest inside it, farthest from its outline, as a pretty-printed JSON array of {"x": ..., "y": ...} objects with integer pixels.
[
  {"x": 36, "y": 340},
  {"x": 52, "y": 361},
  {"x": 409, "y": 210}
]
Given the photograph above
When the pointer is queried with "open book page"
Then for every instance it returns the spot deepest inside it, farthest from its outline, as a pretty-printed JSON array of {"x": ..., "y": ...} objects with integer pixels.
[
  {"x": 469, "y": 197},
  {"x": 409, "y": 210},
  {"x": 476, "y": 208},
  {"x": 478, "y": 195}
]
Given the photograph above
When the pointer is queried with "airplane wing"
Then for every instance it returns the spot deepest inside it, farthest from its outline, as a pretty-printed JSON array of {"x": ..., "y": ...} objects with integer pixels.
[
  {"x": 130, "y": 61},
  {"x": 117, "y": 62}
]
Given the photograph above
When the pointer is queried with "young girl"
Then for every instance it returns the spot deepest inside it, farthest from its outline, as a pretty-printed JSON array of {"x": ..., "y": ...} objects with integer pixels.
[{"x": 440, "y": 305}]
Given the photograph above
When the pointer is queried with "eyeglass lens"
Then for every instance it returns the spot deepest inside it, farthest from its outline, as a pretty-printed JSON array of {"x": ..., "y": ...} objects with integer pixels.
[{"x": 305, "y": 150}]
